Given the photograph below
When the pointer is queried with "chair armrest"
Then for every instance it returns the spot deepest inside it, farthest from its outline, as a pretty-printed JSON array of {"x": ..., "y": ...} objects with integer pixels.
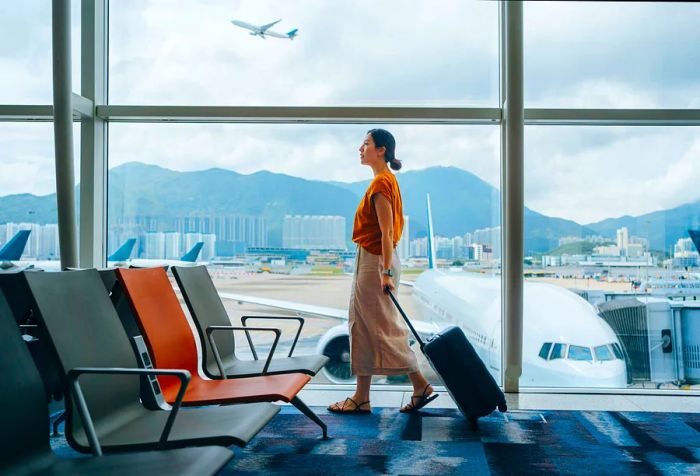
[
  {"x": 211, "y": 329},
  {"x": 288, "y": 318},
  {"x": 74, "y": 386}
]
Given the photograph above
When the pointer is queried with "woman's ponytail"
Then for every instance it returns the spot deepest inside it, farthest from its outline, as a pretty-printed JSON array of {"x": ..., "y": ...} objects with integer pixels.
[{"x": 394, "y": 163}]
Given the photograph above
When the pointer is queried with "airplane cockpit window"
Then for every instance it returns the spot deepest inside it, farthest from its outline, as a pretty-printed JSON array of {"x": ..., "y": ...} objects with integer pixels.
[
  {"x": 544, "y": 351},
  {"x": 618, "y": 351},
  {"x": 603, "y": 353},
  {"x": 577, "y": 352},
  {"x": 558, "y": 351}
]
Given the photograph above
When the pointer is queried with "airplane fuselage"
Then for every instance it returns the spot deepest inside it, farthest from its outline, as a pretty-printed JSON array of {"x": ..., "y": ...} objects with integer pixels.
[{"x": 551, "y": 315}]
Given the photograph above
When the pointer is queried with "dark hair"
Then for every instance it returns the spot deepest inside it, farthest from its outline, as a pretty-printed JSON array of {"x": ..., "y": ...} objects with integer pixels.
[{"x": 383, "y": 138}]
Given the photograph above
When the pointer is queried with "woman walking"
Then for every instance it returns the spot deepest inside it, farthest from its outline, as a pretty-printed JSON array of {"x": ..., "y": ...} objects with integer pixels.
[{"x": 378, "y": 338}]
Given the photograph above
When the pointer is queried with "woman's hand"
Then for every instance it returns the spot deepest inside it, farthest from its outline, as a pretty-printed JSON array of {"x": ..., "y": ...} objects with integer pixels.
[{"x": 387, "y": 282}]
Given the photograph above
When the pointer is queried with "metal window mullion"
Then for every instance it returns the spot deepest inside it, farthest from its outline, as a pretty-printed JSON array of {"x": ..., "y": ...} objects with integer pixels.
[
  {"x": 291, "y": 114},
  {"x": 93, "y": 152},
  {"x": 63, "y": 131},
  {"x": 513, "y": 196}
]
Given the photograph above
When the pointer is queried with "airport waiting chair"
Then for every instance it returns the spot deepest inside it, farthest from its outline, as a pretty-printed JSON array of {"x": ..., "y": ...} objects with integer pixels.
[
  {"x": 171, "y": 344},
  {"x": 19, "y": 301},
  {"x": 84, "y": 330},
  {"x": 219, "y": 349},
  {"x": 25, "y": 416}
]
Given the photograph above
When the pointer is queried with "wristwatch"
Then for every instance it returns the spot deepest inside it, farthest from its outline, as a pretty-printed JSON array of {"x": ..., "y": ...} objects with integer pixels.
[{"x": 388, "y": 273}]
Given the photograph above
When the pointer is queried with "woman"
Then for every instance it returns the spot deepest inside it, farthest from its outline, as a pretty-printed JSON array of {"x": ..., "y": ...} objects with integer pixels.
[{"x": 378, "y": 338}]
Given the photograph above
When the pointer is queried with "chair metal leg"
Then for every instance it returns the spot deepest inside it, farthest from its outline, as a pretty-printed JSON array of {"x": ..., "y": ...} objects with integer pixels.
[
  {"x": 61, "y": 418},
  {"x": 296, "y": 401}
]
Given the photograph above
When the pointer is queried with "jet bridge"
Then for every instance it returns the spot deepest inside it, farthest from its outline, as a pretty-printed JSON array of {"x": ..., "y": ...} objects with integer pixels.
[{"x": 660, "y": 337}]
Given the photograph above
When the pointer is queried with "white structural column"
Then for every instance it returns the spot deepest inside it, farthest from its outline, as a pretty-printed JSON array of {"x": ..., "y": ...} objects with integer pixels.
[
  {"x": 63, "y": 132},
  {"x": 93, "y": 137},
  {"x": 513, "y": 191}
]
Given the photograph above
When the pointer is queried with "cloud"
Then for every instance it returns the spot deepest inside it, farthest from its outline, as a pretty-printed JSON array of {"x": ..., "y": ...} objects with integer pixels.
[
  {"x": 622, "y": 170},
  {"x": 374, "y": 53}
]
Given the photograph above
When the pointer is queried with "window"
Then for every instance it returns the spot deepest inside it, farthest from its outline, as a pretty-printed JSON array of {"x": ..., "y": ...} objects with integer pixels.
[
  {"x": 603, "y": 353},
  {"x": 611, "y": 55},
  {"x": 577, "y": 352},
  {"x": 28, "y": 185},
  {"x": 256, "y": 194},
  {"x": 607, "y": 207},
  {"x": 618, "y": 351},
  {"x": 558, "y": 351},
  {"x": 25, "y": 51},
  {"x": 362, "y": 53},
  {"x": 544, "y": 351}
]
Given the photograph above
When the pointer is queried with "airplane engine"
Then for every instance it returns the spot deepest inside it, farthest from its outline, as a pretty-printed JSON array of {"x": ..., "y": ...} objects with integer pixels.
[{"x": 335, "y": 344}]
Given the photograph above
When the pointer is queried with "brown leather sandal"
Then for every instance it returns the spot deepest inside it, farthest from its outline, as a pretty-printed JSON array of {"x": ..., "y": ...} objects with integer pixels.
[
  {"x": 419, "y": 401},
  {"x": 344, "y": 408}
]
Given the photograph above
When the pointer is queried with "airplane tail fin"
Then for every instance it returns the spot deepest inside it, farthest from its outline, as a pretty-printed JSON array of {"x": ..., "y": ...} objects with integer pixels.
[
  {"x": 432, "y": 264},
  {"x": 13, "y": 249},
  {"x": 695, "y": 236},
  {"x": 124, "y": 251},
  {"x": 192, "y": 255},
  {"x": 292, "y": 34}
]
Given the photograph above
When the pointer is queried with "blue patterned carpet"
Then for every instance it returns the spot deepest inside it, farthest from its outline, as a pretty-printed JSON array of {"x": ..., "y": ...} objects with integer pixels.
[{"x": 438, "y": 441}]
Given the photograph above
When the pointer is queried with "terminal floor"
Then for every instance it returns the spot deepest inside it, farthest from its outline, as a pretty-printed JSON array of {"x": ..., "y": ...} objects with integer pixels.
[{"x": 438, "y": 441}]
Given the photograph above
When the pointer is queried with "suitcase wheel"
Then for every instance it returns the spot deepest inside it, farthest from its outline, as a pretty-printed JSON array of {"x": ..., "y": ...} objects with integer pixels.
[
  {"x": 502, "y": 407},
  {"x": 473, "y": 423}
]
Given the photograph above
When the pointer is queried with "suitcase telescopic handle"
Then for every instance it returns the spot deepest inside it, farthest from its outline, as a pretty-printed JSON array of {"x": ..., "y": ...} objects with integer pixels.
[{"x": 405, "y": 317}]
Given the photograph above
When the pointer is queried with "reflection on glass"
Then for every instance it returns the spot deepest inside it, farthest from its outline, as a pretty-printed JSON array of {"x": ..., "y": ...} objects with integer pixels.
[{"x": 273, "y": 206}]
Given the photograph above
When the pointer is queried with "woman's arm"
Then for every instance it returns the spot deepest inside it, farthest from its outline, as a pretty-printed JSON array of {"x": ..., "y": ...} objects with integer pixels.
[{"x": 386, "y": 225}]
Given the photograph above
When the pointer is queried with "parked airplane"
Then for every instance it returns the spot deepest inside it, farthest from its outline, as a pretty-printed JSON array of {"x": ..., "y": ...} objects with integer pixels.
[
  {"x": 13, "y": 249},
  {"x": 264, "y": 30},
  {"x": 188, "y": 259},
  {"x": 565, "y": 342}
]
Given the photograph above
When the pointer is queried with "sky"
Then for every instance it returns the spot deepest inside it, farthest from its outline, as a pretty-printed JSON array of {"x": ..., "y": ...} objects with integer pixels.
[{"x": 377, "y": 53}]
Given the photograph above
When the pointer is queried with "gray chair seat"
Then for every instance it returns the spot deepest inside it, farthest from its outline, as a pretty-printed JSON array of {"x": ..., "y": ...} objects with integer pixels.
[
  {"x": 248, "y": 368},
  {"x": 184, "y": 461},
  {"x": 226, "y": 425}
]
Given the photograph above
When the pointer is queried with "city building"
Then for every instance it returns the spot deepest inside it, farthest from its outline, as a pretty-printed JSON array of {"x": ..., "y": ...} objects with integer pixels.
[{"x": 313, "y": 232}]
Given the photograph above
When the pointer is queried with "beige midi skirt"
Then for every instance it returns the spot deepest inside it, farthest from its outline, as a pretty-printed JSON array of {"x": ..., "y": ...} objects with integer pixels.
[{"x": 378, "y": 335}]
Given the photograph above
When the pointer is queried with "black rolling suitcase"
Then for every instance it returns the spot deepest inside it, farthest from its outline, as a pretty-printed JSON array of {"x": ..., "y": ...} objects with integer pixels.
[{"x": 465, "y": 376}]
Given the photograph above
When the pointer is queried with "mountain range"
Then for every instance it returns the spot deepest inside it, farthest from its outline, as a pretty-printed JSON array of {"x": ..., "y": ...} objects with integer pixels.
[{"x": 461, "y": 203}]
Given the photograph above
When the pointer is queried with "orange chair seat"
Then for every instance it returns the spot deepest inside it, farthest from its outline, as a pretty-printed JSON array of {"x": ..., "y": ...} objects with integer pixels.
[{"x": 270, "y": 388}]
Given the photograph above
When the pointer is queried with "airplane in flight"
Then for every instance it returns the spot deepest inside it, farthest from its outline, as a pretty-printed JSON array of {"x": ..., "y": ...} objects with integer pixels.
[
  {"x": 565, "y": 341},
  {"x": 264, "y": 30},
  {"x": 188, "y": 259},
  {"x": 13, "y": 249}
]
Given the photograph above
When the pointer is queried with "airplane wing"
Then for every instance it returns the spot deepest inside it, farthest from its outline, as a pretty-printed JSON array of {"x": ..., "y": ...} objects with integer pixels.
[
  {"x": 423, "y": 328},
  {"x": 264, "y": 28}
]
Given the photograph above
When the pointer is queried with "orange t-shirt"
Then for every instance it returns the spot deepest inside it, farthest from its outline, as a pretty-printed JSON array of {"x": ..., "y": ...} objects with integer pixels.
[{"x": 365, "y": 230}]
